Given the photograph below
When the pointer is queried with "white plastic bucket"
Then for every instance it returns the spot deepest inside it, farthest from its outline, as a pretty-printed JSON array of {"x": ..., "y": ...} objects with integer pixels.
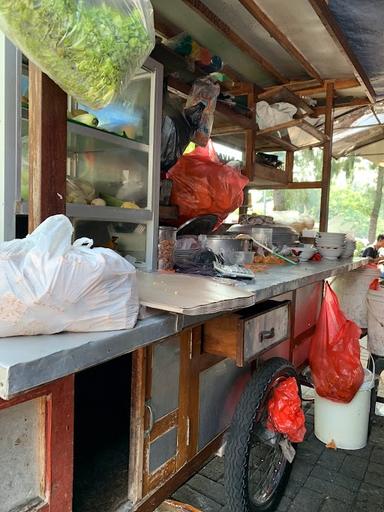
[
  {"x": 351, "y": 289},
  {"x": 375, "y": 301},
  {"x": 345, "y": 424}
]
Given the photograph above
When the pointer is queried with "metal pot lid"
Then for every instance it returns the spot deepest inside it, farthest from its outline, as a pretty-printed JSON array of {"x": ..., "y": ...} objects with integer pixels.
[
  {"x": 276, "y": 228},
  {"x": 202, "y": 225}
]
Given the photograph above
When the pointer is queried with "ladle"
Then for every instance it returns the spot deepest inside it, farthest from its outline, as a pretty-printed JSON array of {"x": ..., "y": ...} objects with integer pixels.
[{"x": 249, "y": 237}]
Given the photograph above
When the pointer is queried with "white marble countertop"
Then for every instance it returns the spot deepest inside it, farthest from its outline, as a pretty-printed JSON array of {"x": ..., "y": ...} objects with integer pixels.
[{"x": 30, "y": 361}]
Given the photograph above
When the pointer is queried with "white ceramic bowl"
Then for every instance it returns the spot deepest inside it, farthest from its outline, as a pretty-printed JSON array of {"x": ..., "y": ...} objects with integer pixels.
[
  {"x": 307, "y": 253},
  {"x": 330, "y": 242},
  {"x": 331, "y": 235},
  {"x": 330, "y": 253},
  {"x": 309, "y": 233}
]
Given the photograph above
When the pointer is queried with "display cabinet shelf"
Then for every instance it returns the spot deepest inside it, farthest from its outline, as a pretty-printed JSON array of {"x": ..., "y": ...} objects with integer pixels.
[
  {"x": 83, "y": 138},
  {"x": 87, "y": 139},
  {"x": 103, "y": 213}
]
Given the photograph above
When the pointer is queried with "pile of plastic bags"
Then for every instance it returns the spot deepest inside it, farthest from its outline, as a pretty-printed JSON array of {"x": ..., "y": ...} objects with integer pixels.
[
  {"x": 201, "y": 184},
  {"x": 49, "y": 285}
]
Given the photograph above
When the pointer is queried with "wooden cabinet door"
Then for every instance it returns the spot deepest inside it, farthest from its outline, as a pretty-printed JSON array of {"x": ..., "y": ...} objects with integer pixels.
[
  {"x": 163, "y": 437},
  {"x": 36, "y": 446}
]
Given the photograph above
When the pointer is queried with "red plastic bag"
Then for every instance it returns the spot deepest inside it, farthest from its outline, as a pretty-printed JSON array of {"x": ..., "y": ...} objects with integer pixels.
[
  {"x": 335, "y": 353},
  {"x": 203, "y": 185},
  {"x": 285, "y": 414},
  {"x": 375, "y": 285}
]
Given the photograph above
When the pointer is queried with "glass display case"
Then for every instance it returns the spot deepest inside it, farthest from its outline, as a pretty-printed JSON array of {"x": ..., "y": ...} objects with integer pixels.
[{"x": 113, "y": 167}]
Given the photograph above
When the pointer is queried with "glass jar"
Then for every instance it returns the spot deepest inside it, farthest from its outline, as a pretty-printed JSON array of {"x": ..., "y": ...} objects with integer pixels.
[{"x": 166, "y": 247}]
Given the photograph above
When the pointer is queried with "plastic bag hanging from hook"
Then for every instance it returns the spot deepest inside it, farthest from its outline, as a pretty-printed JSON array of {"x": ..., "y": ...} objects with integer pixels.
[{"x": 90, "y": 48}]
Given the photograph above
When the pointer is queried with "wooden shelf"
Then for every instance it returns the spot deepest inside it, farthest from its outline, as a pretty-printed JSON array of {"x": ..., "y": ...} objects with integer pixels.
[
  {"x": 318, "y": 138},
  {"x": 267, "y": 175},
  {"x": 83, "y": 138},
  {"x": 282, "y": 93},
  {"x": 177, "y": 65},
  {"x": 300, "y": 123},
  {"x": 103, "y": 213},
  {"x": 168, "y": 213}
]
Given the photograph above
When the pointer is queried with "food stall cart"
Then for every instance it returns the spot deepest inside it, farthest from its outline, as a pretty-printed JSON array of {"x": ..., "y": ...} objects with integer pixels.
[{"x": 118, "y": 420}]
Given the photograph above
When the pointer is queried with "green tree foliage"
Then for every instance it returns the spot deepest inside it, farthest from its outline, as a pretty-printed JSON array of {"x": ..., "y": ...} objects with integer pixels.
[{"x": 353, "y": 190}]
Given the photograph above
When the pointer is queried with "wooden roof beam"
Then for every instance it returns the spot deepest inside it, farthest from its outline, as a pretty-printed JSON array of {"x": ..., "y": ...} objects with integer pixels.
[
  {"x": 217, "y": 23},
  {"x": 322, "y": 10},
  {"x": 357, "y": 102},
  {"x": 339, "y": 85},
  {"x": 280, "y": 37}
]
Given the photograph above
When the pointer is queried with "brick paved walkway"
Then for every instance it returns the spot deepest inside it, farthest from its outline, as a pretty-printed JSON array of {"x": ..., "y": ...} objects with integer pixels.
[{"x": 322, "y": 480}]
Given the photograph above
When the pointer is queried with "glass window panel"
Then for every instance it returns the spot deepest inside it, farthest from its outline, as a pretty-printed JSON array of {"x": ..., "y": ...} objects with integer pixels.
[
  {"x": 118, "y": 173},
  {"x": 129, "y": 115},
  {"x": 126, "y": 238}
]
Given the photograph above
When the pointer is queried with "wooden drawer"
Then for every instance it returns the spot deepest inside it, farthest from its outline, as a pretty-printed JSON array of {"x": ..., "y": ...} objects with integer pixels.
[{"x": 245, "y": 335}]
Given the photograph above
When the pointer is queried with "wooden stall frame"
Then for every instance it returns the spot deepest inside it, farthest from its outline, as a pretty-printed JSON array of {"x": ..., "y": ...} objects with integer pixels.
[
  {"x": 58, "y": 414},
  {"x": 327, "y": 159},
  {"x": 47, "y": 147}
]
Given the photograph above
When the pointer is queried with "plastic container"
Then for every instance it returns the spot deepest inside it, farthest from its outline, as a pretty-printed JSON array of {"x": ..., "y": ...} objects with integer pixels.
[
  {"x": 241, "y": 257},
  {"x": 263, "y": 235},
  {"x": 345, "y": 424},
  {"x": 375, "y": 303},
  {"x": 166, "y": 247}
]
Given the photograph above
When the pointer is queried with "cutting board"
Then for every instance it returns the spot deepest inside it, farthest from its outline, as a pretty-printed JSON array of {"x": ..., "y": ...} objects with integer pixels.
[{"x": 190, "y": 295}]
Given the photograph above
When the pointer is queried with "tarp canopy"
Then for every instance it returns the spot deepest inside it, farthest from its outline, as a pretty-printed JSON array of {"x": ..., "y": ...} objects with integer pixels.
[{"x": 362, "y": 22}]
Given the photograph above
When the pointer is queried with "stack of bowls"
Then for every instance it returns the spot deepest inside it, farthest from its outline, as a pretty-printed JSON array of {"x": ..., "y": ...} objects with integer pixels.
[
  {"x": 330, "y": 245},
  {"x": 349, "y": 248}
]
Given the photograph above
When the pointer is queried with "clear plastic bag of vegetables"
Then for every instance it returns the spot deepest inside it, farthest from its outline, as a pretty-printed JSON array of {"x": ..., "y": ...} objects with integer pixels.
[{"x": 90, "y": 48}]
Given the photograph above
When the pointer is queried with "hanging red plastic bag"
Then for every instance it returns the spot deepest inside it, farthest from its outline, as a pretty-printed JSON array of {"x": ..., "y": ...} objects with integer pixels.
[
  {"x": 203, "y": 185},
  {"x": 335, "y": 353},
  {"x": 285, "y": 414}
]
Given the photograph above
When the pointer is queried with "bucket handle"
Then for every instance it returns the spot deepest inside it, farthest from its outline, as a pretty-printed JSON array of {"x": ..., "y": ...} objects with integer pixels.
[{"x": 373, "y": 364}]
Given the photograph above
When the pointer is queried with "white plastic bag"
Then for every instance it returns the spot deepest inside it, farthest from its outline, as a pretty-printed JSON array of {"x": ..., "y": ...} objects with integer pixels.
[
  {"x": 268, "y": 116},
  {"x": 49, "y": 285},
  {"x": 90, "y": 48}
]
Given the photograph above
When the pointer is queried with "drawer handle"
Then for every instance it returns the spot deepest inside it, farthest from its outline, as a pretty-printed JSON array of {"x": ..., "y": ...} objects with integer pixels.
[{"x": 267, "y": 335}]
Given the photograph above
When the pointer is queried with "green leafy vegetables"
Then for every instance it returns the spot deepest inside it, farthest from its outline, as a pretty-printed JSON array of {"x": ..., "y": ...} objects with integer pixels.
[{"x": 90, "y": 48}]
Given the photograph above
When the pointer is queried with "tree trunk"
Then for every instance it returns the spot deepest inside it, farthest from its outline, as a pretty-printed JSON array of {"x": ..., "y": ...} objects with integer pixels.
[
  {"x": 376, "y": 206},
  {"x": 279, "y": 200}
]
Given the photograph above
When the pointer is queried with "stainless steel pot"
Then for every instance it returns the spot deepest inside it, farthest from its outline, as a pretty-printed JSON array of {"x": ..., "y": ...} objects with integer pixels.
[
  {"x": 225, "y": 245},
  {"x": 281, "y": 235}
]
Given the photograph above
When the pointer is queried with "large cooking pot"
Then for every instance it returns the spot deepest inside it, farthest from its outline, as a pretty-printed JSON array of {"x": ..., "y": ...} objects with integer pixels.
[{"x": 225, "y": 245}]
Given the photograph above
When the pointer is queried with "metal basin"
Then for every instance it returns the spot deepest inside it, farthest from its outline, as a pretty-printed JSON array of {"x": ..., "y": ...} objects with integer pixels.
[{"x": 225, "y": 245}]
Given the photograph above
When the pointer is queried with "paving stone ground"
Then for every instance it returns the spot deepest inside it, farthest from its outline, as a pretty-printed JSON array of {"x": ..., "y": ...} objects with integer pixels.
[{"x": 322, "y": 480}]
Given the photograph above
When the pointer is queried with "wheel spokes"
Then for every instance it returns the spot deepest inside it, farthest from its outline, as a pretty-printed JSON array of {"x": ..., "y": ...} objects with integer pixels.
[{"x": 265, "y": 466}]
